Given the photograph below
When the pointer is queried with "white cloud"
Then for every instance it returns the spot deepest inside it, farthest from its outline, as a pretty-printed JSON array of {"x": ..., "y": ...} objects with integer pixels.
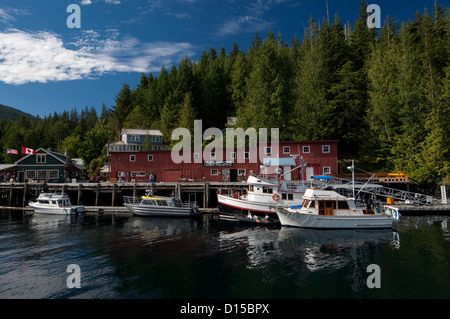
[
  {"x": 86, "y": 2},
  {"x": 253, "y": 19},
  {"x": 44, "y": 57}
]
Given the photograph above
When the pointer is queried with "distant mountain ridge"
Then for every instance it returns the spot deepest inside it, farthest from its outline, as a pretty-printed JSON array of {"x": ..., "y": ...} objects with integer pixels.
[{"x": 10, "y": 113}]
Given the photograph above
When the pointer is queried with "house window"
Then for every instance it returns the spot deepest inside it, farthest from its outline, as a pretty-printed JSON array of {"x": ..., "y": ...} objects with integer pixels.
[
  {"x": 134, "y": 138},
  {"x": 286, "y": 149},
  {"x": 134, "y": 174},
  {"x": 268, "y": 150},
  {"x": 54, "y": 174},
  {"x": 214, "y": 171},
  {"x": 326, "y": 170},
  {"x": 233, "y": 155},
  {"x": 246, "y": 155},
  {"x": 42, "y": 174},
  {"x": 306, "y": 149},
  {"x": 150, "y": 157},
  {"x": 325, "y": 148},
  {"x": 41, "y": 158},
  {"x": 241, "y": 172},
  {"x": 120, "y": 174},
  {"x": 156, "y": 138},
  {"x": 141, "y": 174},
  {"x": 132, "y": 158},
  {"x": 30, "y": 174}
]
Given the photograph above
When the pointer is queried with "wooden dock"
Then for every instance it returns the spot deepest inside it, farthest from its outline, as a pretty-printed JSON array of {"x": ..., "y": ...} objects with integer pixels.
[
  {"x": 422, "y": 210},
  {"x": 111, "y": 194}
]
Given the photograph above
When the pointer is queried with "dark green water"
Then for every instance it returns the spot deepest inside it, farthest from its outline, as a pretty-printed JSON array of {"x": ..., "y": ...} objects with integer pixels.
[{"x": 205, "y": 258}]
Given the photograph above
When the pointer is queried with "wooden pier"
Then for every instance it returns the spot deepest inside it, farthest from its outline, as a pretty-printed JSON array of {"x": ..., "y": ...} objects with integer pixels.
[{"x": 110, "y": 195}]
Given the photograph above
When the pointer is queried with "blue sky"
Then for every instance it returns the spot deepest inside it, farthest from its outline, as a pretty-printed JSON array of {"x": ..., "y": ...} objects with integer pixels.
[{"x": 46, "y": 67}]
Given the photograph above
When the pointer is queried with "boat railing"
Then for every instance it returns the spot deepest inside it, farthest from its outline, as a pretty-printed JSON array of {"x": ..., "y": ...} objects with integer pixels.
[{"x": 131, "y": 200}]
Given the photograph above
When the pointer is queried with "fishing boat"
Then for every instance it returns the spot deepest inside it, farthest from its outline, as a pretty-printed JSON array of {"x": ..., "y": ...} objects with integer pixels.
[
  {"x": 325, "y": 208},
  {"x": 150, "y": 205},
  {"x": 262, "y": 195},
  {"x": 53, "y": 203}
]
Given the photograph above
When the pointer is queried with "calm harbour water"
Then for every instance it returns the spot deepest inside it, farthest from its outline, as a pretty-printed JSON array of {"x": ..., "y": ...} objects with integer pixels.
[{"x": 134, "y": 257}]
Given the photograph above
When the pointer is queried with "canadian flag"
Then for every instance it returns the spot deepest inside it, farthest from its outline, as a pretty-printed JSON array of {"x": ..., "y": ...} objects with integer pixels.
[{"x": 26, "y": 150}]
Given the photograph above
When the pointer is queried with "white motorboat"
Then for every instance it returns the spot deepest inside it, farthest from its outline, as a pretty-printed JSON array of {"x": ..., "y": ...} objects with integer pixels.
[
  {"x": 262, "y": 195},
  {"x": 323, "y": 208},
  {"x": 150, "y": 205},
  {"x": 57, "y": 204}
]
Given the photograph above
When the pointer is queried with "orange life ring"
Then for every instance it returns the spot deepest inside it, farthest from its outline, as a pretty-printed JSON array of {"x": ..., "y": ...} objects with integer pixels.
[{"x": 276, "y": 197}]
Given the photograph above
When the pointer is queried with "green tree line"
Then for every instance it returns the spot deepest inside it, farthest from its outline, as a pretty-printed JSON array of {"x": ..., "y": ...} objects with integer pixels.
[{"x": 383, "y": 93}]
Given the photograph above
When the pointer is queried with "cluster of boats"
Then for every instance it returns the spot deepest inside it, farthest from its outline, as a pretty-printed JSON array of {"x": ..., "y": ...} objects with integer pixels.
[
  {"x": 268, "y": 201},
  {"x": 271, "y": 201}
]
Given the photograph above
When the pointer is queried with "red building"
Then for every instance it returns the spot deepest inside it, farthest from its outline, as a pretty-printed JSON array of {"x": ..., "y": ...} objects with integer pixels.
[{"x": 319, "y": 158}]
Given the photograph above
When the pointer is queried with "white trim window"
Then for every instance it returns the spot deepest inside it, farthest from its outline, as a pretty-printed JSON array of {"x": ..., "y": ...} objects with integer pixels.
[
  {"x": 326, "y": 170},
  {"x": 132, "y": 158},
  {"x": 214, "y": 171},
  {"x": 306, "y": 149},
  {"x": 120, "y": 174},
  {"x": 325, "y": 148},
  {"x": 41, "y": 158},
  {"x": 30, "y": 174},
  {"x": 42, "y": 174},
  {"x": 150, "y": 157},
  {"x": 286, "y": 149},
  {"x": 241, "y": 172}
]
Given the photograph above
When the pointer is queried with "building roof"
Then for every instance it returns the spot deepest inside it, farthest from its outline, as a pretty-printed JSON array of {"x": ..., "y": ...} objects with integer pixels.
[
  {"x": 4, "y": 167},
  {"x": 132, "y": 131}
]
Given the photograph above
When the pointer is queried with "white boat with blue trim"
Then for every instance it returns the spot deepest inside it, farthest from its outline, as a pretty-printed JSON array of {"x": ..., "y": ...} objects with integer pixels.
[{"x": 323, "y": 208}]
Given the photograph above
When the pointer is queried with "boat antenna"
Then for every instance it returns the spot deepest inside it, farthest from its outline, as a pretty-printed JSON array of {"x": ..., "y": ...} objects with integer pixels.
[{"x": 352, "y": 169}]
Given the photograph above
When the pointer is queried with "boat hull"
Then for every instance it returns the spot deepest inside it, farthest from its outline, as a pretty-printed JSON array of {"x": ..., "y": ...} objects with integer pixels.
[
  {"x": 231, "y": 205},
  {"x": 38, "y": 209},
  {"x": 303, "y": 220},
  {"x": 150, "y": 210}
]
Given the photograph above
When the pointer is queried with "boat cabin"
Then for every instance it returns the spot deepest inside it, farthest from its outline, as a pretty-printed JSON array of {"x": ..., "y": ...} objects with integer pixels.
[
  {"x": 57, "y": 201},
  {"x": 330, "y": 203},
  {"x": 161, "y": 201}
]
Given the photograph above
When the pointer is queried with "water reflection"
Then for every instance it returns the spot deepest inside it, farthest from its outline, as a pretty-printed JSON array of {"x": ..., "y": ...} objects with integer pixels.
[{"x": 135, "y": 257}]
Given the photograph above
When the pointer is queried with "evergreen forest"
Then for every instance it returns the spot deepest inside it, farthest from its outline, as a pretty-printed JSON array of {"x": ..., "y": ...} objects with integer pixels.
[{"x": 383, "y": 93}]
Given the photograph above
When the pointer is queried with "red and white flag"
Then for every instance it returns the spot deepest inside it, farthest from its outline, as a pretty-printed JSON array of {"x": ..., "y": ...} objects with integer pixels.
[{"x": 26, "y": 150}]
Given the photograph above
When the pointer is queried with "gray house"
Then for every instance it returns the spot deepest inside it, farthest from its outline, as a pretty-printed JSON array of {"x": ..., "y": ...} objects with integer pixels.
[{"x": 135, "y": 140}]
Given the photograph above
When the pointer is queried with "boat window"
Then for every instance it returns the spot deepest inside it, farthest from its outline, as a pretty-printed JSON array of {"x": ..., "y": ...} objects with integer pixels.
[
  {"x": 311, "y": 204},
  {"x": 267, "y": 190},
  {"x": 330, "y": 204},
  {"x": 342, "y": 205},
  {"x": 305, "y": 202},
  {"x": 287, "y": 196},
  {"x": 250, "y": 189},
  {"x": 43, "y": 201},
  {"x": 54, "y": 202},
  {"x": 162, "y": 203}
]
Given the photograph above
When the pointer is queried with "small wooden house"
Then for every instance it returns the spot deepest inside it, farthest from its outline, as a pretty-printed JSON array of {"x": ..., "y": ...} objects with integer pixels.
[{"x": 46, "y": 165}]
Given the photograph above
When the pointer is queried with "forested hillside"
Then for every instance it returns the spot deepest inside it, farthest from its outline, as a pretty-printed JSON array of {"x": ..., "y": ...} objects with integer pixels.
[
  {"x": 9, "y": 113},
  {"x": 383, "y": 93}
]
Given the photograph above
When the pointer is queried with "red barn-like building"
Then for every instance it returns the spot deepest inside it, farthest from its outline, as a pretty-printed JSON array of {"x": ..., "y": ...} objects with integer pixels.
[{"x": 319, "y": 158}]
